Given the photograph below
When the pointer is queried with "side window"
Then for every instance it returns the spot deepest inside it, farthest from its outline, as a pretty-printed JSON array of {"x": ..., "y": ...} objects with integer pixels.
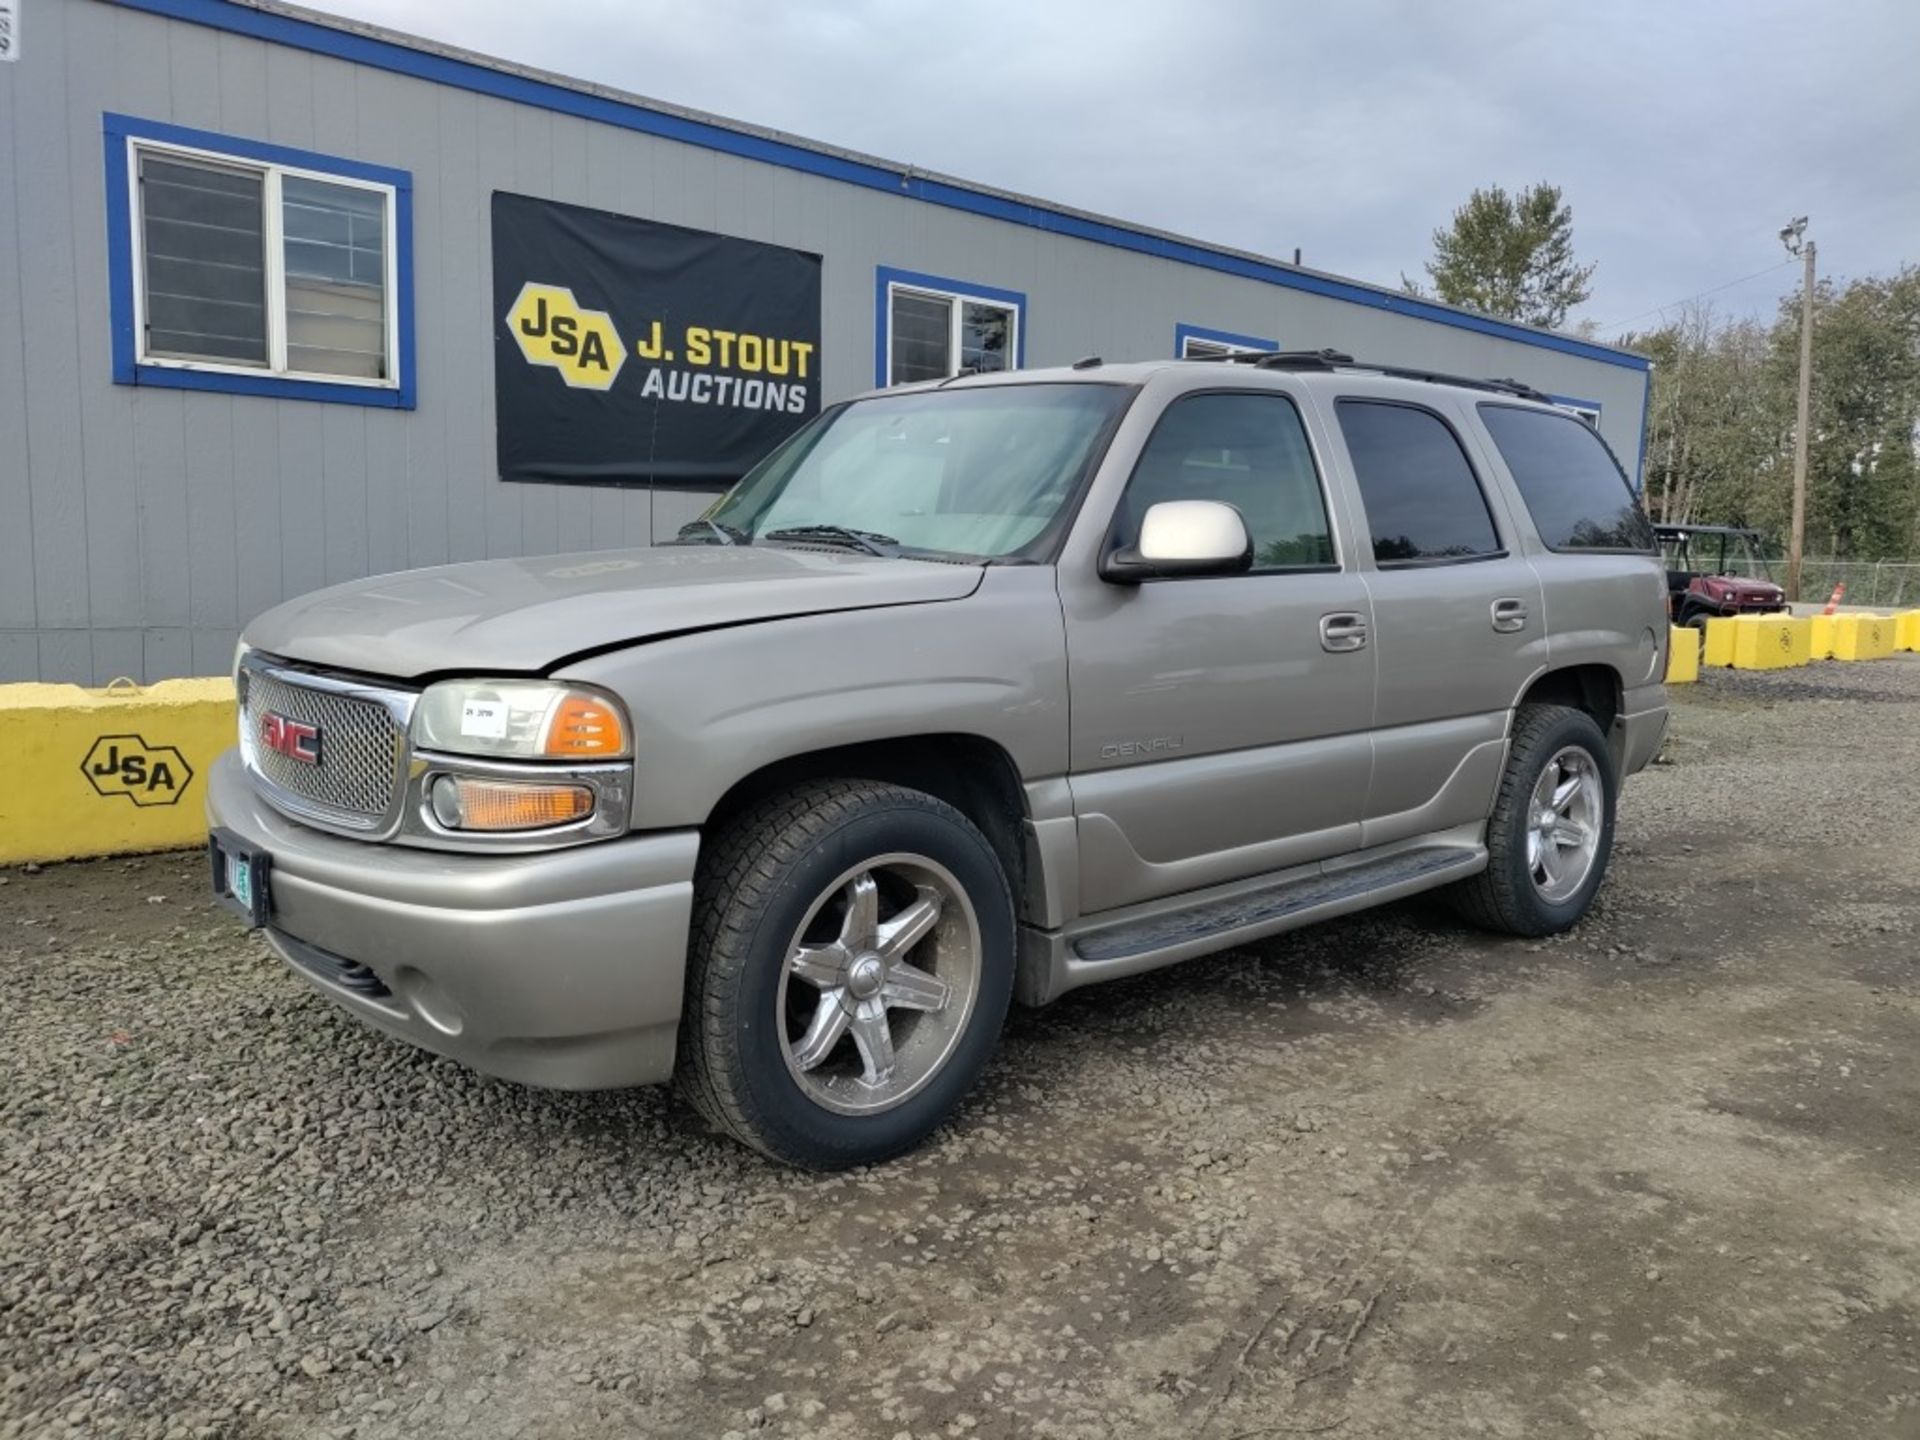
[
  {"x": 238, "y": 266},
  {"x": 1247, "y": 450},
  {"x": 217, "y": 287},
  {"x": 931, "y": 328},
  {"x": 1195, "y": 342},
  {"x": 1423, "y": 502},
  {"x": 1574, "y": 488}
]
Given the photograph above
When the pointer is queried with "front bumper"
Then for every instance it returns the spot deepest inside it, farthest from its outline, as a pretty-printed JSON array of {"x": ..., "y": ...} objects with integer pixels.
[{"x": 563, "y": 969}]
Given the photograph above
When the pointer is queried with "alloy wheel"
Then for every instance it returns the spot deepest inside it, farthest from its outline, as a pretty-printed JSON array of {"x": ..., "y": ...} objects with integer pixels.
[
  {"x": 1564, "y": 820},
  {"x": 878, "y": 984}
]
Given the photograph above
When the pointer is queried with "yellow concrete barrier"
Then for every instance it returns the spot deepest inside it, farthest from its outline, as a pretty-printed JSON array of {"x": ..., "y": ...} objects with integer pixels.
[
  {"x": 107, "y": 772},
  {"x": 1718, "y": 649},
  {"x": 1862, "y": 637},
  {"x": 1906, "y": 630},
  {"x": 1771, "y": 642},
  {"x": 1822, "y": 629},
  {"x": 1683, "y": 654}
]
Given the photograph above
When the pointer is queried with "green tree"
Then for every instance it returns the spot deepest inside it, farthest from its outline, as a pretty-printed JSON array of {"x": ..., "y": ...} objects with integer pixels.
[
  {"x": 1511, "y": 256},
  {"x": 1861, "y": 499},
  {"x": 1720, "y": 426},
  {"x": 1719, "y": 422}
]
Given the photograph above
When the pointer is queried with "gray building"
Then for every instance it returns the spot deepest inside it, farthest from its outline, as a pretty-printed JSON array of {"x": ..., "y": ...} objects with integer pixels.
[{"x": 252, "y": 330}]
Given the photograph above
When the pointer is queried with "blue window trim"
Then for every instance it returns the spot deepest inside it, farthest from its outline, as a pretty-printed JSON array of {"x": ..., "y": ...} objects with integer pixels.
[
  {"x": 1184, "y": 332},
  {"x": 444, "y": 69},
  {"x": 886, "y": 275},
  {"x": 127, "y": 367}
]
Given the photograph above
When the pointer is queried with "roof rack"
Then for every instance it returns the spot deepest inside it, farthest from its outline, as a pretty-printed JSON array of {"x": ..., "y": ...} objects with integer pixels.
[
  {"x": 1330, "y": 360},
  {"x": 1280, "y": 359}
]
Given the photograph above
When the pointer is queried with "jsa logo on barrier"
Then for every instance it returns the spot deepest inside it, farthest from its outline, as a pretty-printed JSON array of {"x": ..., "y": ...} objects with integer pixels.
[
  {"x": 551, "y": 328},
  {"x": 145, "y": 774}
]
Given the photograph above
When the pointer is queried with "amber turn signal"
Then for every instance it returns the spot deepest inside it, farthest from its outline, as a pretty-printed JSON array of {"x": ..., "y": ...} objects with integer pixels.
[
  {"x": 583, "y": 725},
  {"x": 461, "y": 802}
]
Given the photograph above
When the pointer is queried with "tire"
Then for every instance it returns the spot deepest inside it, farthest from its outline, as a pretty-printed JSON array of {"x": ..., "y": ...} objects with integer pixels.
[
  {"x": 788, "y": 944},
  {"x": 1509, "y": 896}
]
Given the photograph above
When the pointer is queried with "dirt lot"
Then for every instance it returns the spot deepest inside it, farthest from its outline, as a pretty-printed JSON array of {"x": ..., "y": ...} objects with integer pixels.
[{"x": 1390, "y": 1178}]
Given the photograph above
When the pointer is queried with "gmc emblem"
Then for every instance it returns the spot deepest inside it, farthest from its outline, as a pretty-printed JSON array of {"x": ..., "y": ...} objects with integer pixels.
[{"x": 294, "y": 739}]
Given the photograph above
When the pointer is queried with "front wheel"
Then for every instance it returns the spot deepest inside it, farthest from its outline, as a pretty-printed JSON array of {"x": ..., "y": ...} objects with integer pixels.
[
  {"x": 851, "y": 965},
  {"x": 1551, "y": 831}
]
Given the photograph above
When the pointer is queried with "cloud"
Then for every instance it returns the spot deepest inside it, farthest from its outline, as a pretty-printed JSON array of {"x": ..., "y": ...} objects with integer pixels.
[{"x": 1683, "y": 135}]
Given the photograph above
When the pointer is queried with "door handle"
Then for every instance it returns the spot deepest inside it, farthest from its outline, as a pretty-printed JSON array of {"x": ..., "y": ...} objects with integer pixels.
[
  {"x": 1346, "y": 630},
  {"x": 1509, "y": 615}
]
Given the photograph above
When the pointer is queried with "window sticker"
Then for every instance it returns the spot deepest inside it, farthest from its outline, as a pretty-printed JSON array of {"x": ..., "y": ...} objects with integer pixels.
[{"x": 484, "y": 719}]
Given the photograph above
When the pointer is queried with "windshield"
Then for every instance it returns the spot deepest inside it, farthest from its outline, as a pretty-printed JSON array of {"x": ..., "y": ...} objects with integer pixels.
[
  {"x": 1709, "y": 552},
  {"x": 982, "y": 473}
]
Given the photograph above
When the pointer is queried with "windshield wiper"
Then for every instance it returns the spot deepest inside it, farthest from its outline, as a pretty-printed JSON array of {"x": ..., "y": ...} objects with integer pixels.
[
  {"x": 870, "y": 541},
  {"x": 722, "y": 534}
]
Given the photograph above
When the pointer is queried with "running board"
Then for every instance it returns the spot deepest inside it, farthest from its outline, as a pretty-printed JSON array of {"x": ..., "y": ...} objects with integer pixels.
[{"x": 1161, "y": 933}]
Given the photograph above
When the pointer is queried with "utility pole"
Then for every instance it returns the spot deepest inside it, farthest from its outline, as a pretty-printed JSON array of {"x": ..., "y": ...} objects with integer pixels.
[{"x": 1792, "y": 236}]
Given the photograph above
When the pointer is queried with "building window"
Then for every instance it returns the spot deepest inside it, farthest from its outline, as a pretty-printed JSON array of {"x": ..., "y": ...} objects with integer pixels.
[
  {"x": 1194, "y": 342},
  {"x": 1587, "y": 410},
  {"x": 930, "y": 328},
  {"x": 256, "y": 268}
]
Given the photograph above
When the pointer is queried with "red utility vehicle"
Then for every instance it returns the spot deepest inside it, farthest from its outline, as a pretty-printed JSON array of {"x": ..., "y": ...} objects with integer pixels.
[{"x": 1700, "y": 560}]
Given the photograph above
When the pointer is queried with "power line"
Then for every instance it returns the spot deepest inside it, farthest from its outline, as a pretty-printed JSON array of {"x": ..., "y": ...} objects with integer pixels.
[{"x": 1615, "y": 325}]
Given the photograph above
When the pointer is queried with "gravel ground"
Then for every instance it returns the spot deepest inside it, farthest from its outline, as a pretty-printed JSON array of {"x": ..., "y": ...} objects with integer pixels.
[{"x": 1385, "y": 1178}]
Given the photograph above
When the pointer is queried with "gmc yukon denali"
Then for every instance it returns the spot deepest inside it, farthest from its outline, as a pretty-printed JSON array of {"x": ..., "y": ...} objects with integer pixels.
[{"x": 971, "y": 691}]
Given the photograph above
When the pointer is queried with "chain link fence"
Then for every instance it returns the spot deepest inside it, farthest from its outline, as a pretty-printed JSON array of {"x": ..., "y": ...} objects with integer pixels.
[{"x": 1894, "y": 583}]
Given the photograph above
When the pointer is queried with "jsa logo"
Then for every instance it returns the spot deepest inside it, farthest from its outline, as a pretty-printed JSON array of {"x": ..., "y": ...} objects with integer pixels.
[
  {"x": 145, "y": 774},
  {"x": 551, "y": 328}
]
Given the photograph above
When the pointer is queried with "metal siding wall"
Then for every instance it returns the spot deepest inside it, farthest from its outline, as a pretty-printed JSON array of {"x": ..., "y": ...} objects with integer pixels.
[
  {"x": 451, "y": 336},
  {"x": 115, "y": 593},
  {"x": 139, "y": 528},
  {"x": 19, "y": 613},
  {"x": 423, "y": 521},
  {"x": 50, "y": 383}
]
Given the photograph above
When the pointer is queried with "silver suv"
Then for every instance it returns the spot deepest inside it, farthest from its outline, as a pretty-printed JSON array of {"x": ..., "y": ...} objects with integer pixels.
[{"x": 985, "y": 689}]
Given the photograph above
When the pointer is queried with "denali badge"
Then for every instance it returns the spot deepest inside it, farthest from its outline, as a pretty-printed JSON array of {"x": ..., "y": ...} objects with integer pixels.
[{"x": 294, "y": 739}]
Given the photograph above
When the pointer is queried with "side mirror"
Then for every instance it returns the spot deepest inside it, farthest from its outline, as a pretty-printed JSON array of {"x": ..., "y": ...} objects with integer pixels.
[{"x": 1183, "y": 537}]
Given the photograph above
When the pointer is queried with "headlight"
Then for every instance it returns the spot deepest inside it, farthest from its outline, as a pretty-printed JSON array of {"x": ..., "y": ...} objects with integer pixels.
[{"x": 521, "y": 720}]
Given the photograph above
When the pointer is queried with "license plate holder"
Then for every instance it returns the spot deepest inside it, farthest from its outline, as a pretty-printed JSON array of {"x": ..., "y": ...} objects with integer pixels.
[{"x": 240, "y": 876}]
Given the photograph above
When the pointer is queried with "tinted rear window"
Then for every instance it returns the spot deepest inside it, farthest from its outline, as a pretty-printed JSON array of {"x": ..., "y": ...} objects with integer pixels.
[
  {"x": 1574, "y": 488},
  {"x": 1423, "y": 502}
]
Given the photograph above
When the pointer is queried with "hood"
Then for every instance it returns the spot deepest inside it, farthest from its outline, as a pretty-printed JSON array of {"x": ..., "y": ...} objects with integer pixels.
[
  {"x": 1743, "y": 587},
  {"x": 524, "y": 616}
]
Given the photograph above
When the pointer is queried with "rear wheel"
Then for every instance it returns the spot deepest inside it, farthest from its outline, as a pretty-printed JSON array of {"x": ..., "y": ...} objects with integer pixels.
[
  {"x": 1551, "y": 832},
  {"x": 851, "y": 965}
]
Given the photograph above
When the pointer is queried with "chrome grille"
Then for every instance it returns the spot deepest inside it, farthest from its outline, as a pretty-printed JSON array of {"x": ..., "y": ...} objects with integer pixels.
[{"x": 356, "y": 781}]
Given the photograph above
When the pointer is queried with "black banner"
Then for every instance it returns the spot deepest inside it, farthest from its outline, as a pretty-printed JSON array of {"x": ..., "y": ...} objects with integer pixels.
[{"x": 630, "y": 352}]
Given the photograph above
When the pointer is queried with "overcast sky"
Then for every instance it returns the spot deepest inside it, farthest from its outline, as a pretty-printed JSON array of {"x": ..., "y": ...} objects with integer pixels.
[{"x": 1683, "y": 134}]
